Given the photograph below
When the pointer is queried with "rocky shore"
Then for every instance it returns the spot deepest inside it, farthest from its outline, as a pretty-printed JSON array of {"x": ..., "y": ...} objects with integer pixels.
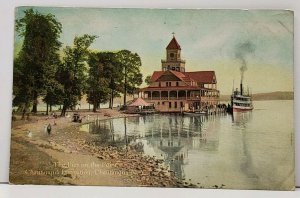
[{"x": 67, "y": 156}]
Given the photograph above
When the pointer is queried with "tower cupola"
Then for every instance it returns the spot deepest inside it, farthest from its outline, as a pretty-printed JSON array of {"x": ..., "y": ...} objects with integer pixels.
[{"x": 173, "y": 59}]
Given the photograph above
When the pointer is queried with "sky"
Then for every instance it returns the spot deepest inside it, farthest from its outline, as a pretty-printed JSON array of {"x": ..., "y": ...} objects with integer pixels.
[{"x": 218, "y": 40}]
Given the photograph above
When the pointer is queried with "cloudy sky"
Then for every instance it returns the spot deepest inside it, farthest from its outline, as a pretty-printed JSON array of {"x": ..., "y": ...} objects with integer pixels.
[{"x": 210, "y": 40}]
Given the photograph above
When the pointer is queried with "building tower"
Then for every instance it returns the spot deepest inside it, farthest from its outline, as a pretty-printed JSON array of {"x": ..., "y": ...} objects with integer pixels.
[{"x": 173, "y": 57}]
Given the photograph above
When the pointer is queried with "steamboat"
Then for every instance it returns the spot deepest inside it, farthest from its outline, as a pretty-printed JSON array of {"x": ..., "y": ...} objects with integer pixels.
[{"x": 241, "y": 101}]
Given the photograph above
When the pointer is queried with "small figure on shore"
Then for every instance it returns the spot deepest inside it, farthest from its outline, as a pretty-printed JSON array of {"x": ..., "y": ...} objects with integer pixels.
[
  {"x": 45, "y": 128},
  {"x": 67, "y": 115},
  {"x": 29, "y": 134},
  {"x": 49, "y": 129}
]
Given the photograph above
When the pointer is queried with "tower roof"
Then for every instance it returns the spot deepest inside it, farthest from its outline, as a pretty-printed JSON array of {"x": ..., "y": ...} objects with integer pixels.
[{"x": 173, "y": 44}]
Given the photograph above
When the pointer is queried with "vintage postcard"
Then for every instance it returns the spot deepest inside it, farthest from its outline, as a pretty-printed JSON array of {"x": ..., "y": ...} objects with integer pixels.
[{"x": 153, "y": 97}]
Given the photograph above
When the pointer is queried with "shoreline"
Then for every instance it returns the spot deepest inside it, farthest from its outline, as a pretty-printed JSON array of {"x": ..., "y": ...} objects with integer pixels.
[{"x": 71, "y": 159}]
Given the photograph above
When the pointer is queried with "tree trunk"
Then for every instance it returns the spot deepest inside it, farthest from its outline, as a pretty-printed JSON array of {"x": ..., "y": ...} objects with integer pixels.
[
  {"x": 112, "y": 99},
  {"x": 23, "y": 114},
  {"x": 125, "y": 86},
  {"x": 51, "y": 108},
  {"x": 94, "y": 102},
  {"x": 47, "y": 112},
  {"x": 125, "y": 96},
  {"x": 94, "y": 108},
  {"x": 63, "y": 111},
  {"x": 111, "y": 102},
  {"x": 34, "y": 107}
]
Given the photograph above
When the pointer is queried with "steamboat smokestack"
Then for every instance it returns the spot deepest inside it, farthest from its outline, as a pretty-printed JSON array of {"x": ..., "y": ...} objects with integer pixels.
[{"x": 241, "y": 87}]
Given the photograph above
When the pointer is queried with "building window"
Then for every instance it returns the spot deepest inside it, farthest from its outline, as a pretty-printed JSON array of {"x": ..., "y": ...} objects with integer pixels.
[
  {"x": 177, "y": 68},
  {"x": 168, "y": 84},
  {"x": 159, "y": 84},
  {"x": 181, "y": 104},
  {"x": 163, "y": 103},
  {"x": 175, "y": 104},
  {"x": 158, "y": 103},
  {"x": 169, "y": 67},
  {"x": 172, "y": 55},
  {"x": 177, "y": 84},
  {"x": 170, "y": 105}
]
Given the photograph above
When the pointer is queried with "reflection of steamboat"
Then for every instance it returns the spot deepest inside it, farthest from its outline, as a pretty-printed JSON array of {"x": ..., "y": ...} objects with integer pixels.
[{"x": 241, "y": 101}]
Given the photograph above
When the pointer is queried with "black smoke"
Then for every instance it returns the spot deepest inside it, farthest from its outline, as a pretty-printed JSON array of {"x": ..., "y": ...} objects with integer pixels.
[{"x": 242, "y": 50}]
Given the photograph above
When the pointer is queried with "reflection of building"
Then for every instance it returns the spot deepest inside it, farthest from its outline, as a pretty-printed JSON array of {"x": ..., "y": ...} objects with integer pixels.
[
  {"x": 172, "y": 147},
  {"x": 174, "y": 89},
  {"x": 174, "y": 138}
]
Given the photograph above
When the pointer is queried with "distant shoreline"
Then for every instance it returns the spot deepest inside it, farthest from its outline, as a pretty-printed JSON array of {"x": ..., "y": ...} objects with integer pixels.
[{"x": 278, "y": 95}]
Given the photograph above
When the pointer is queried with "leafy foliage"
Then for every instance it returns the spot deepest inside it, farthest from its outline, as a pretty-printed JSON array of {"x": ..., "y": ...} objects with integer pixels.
[
  {"x": 132, "y": 76},
  {"x": 39, "y": 71},
  {"x": 98, "y": 90},
  {"x": 36, "y": 63},
  {"x": 113, "y": 73},
  {"x": 148, "y": 79},
  {"x": 72, "y": 73}
]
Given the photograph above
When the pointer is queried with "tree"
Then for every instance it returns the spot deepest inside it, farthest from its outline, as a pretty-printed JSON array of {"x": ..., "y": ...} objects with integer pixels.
[
  {"x": 148, "y": 80},
  {"x": 39, "y": 53},
  {"x": 98, "y": 84},
  {"x": 21, "y": 88},
  {"x": 113, "y": 73},
  {"x": 53, "y": 87},
  {"x": 132, "y": 76},
  {"x": 54, "y": 95},
  {"x": 72, "y": 73}
]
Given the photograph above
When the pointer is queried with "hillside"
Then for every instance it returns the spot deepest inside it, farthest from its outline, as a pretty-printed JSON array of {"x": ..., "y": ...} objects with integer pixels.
[{"x": 278, "y": 95}]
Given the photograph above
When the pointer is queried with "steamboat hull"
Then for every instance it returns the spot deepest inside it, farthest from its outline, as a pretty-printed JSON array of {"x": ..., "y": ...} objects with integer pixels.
[{"x": 236, "y": 109}]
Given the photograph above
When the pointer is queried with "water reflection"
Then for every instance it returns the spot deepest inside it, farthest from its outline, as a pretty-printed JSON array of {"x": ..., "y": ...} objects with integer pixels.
[
  {"x": 168, "y": 137},
  {"x": 241, "y": 120},
  {"x": 252, "y": 150}
]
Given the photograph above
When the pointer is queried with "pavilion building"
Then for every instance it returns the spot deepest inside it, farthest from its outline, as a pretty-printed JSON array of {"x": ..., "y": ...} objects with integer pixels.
[{"x": 173, "y": 89}]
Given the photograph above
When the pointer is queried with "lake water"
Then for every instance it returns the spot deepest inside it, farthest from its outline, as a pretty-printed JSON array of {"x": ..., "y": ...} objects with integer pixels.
[{"x": 253, "y": 150}]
